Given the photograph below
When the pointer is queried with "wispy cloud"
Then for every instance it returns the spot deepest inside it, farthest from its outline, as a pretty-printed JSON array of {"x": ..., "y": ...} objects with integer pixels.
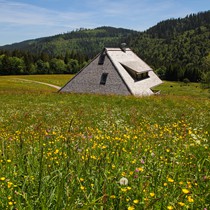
[
  {"x": 22, "y": 21},
  {"x": 99, "y": 11},
  {"x": 135, "y": 14},
  {"x": 27, "y": 14},
  {"x": 38, "y": 18}
]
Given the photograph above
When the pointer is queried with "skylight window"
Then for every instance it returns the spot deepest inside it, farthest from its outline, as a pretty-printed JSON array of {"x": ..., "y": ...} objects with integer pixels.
[
  {"x": 103, "y": 78},
  {"x": 101, "y": 59}
]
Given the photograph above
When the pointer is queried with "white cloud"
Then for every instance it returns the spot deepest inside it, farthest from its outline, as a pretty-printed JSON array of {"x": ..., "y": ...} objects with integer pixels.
[
  {"x": 100, "y": 11},
  {"x": 26, "y": 14},
  {"x": 20, "y": 21},
  {"x": 28, "y": 20}
]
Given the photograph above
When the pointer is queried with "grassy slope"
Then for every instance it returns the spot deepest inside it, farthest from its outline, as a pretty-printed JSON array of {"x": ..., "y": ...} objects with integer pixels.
[
  {"x": 175, "y": 100},
  {"x": 181, "y": 89},
  {"x": 167, "y": 88},
  {"x": 112, "y": 134}
]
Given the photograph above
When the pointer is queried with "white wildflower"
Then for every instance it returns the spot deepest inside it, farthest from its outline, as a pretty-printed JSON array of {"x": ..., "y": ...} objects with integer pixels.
[{"x": 123, "y": 181}]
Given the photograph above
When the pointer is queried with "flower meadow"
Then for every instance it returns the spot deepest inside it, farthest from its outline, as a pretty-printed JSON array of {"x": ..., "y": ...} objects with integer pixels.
[{"x": 68, "y": 151}]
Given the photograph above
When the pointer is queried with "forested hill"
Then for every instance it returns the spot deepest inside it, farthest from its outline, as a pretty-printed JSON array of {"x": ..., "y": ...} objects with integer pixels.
[
  {"x": 173, "y": 27},
  {"x": 176, "y": 48},
  {"x": 88, "y": 42}
]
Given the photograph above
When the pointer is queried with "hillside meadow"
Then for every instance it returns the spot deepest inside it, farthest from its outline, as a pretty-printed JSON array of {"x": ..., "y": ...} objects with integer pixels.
[{"x": 90, "y": 152}]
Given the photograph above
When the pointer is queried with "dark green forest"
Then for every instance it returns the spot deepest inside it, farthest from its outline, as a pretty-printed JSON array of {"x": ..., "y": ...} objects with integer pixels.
[{"x": 177, "y": 49}]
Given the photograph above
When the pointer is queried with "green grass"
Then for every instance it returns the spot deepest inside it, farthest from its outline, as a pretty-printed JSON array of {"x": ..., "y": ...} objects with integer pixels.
[
  {"x": 14, "y": 85},
  {"x": 182, "y": 89},
  {"x": 167, "y": 88},
  {"x": 70, "y": 151}
]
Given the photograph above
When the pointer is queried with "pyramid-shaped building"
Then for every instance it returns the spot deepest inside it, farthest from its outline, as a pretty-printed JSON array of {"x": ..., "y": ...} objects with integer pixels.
[{"x": 117, "y": 71}]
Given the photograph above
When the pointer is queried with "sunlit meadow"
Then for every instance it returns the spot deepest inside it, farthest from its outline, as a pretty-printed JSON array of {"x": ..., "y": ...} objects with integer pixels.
[{"x": 70, "y": 151}]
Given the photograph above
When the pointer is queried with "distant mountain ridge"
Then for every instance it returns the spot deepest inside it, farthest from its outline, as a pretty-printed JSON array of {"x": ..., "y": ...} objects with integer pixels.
[
  {"x": 177, "y": 49},
  {"x": 86, "y": 41},
  {"x": 171, "y": 27}
]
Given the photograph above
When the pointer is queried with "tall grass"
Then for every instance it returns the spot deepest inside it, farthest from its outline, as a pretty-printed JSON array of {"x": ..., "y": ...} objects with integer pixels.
[{"x": 69, "y": 151}]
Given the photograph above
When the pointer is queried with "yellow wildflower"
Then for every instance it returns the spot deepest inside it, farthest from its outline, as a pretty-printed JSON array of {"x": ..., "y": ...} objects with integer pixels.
[
  {"x": 152, "y": 194},
  {"x": 190, "y": 199},
  {"x": 124, "y": 189},
  {"x": 170, "y": 180},
  {"x": 185, "y": 191},
  {"x": 136, "y": 201},
  {"x": 170, "y": 207},
  {"x": 131, "y": 208},
  {"x": 113, "y": 196},
  {"x": 140, "y": 169},
  {"x": 181, "y": 204},
  {"x": 9, "y": 184},
  {"x": 123, "y": 173},
  {"x": 10, "y": 203},
  {"x": 2, "y": 178},
  {"x": 82, "y": 187},
  {"x": 133, "y": 161},
  {"x": 56, "y": 151}
]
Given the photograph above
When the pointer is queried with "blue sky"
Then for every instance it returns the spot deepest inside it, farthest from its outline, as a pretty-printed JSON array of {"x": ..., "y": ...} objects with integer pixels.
[{"x": 28, "y": 19}]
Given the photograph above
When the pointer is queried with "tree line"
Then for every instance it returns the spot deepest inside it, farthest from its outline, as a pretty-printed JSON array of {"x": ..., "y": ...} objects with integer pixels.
[{"x": 20, "y": 62}]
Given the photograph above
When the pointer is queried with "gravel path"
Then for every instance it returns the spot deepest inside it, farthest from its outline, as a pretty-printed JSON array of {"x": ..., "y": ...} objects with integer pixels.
[{"x": 43, "y": 83}]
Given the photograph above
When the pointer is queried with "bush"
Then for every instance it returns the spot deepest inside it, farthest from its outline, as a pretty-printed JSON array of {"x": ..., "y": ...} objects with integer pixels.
[{"x": 186, "y": 80}]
